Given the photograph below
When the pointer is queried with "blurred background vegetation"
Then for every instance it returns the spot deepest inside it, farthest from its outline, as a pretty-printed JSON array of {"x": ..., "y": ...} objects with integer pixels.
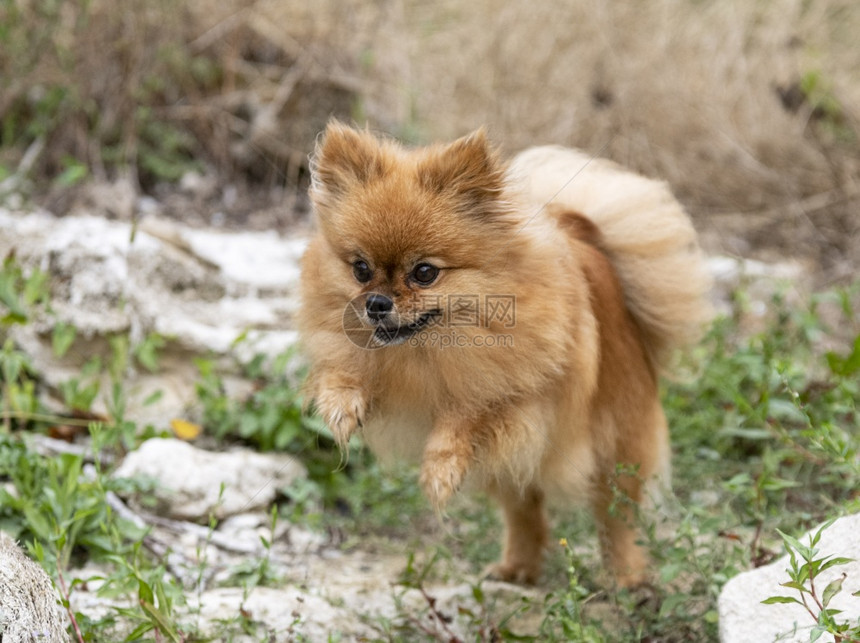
[{"x": 749, "y": 109}]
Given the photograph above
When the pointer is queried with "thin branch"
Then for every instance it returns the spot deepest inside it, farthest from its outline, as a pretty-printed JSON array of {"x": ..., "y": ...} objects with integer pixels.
[{"x": 67, "y": 597}]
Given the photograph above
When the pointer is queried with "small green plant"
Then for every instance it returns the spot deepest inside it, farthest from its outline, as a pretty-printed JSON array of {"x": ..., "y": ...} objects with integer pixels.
[
  {"x": 64, "y": 517},
  {"x": 20, "y": 292},
  {"x": 74, "y": 172},
  {"x": 805, "y": 567},
  {"x": 18, "y": 388},
  {"x": 58, "y": 506},
  {"x": 427, "y": 620},
  {"x": 158, "y": 596},
  {"x": 826, "y": 106},
  {"x": 259, "y": 572},
  {"x": 54, "y": 99},
  {"x": 565, "y": 614},
  {"x": 764, "y": 435},
  {"x": 22, "y": 296},
  {"x": 80, "y": 392}
]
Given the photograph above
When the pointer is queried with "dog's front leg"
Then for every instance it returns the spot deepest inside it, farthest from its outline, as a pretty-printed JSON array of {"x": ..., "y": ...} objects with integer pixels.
[{"x": 448, "y": 455}]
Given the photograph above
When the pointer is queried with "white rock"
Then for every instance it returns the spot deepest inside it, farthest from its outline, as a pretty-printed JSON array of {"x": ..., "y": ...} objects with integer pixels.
[
  {"x": 29, "y": 605},
  {"x": 743, "y": 617},
  {"x": 759, "y": 280},
  {"x": 190, "y": 479},
  {"x": 259, "y": 259},
  {"x": 200, "y": 289},
  {"x": 287, "y": 614},
  {"x": 201, "y": 186}
]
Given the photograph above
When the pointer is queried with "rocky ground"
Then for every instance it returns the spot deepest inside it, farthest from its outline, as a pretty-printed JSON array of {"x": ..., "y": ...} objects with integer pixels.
[
  {"x": 202, "y": 287},
  {"x": 202, "y": 276}
]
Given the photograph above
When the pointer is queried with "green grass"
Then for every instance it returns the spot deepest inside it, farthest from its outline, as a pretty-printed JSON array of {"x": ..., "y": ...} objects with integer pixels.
[{"x": 764, "y": 429}]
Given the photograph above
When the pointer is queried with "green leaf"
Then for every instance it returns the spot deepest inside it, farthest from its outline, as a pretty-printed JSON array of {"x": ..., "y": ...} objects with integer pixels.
[
  {"x": 35, "y": 287},
  {"x": 478, "y": 593},
  {"x": 845, "y": 366},
  {"x": 164, "y": 603},
  {"x": 9, "y": 286},
  {"x": 137, "y": 633},
  {"x": 248, "y": 425},
  {"x": 74, "y": 172},
  {"x": 793, "y": 585},
  {"x": 284, "y": 436},
  {"x": 794, "y": 544},
  {"x": 833, "y": 562},
  {"x": 153, "y": 397},
  {"x": 671, "y": 603},
  {"x": 817, "y": 536},
  {"x": 144, "y": 592},
  {"x": 780, "y": 599},
  {"x": 147, "y": 351},
  {"x": 785, "y": 410},
  {"x": 778, "y": 484},
  {"x": 815, "y": 634},
  {"x": 160, "y": 621},
  {"x": 832, "y": 589},
  {"x": 670, "y": 571},
  {"x": 62, "y": 338},
  {"x": 13, "y": 318}
]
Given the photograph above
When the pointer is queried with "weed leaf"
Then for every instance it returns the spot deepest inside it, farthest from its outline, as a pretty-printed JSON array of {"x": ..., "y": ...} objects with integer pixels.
[
  {"x": 832, "y": 589},
  {"x": 780, "y": 599}
]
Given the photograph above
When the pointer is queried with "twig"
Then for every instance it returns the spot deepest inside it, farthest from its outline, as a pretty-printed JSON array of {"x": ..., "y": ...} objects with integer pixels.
[
  {"x": 218, "y": 31},
  {"x": 68, "y": 599},
  {"x": 436, "y": 617},
  {"x": 48, "y": 446},
  {"x": 46, "y": 417},
  {"x": 34, "y": 151},
  {"x": 143, "y": 519},
  {"x": 812, "y": 203}
]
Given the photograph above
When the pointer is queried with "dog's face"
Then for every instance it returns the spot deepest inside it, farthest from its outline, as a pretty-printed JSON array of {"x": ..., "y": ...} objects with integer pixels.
[
  {"x": 394, "y": 317},
  {"x": 406, "y": 228}
]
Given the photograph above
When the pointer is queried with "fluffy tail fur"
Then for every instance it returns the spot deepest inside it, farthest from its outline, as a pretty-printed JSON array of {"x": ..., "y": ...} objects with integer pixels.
[{"x": 645, "y": 232}]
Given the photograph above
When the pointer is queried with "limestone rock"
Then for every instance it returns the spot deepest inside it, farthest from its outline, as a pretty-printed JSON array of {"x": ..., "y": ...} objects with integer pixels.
[
  {"x": 199, "y": 289},
  {"x": 286, "y": 614},
  {"x": 760, "y": 281},
  {"x": 29, "y": 604},
  {"x": 190, "y": 479},
  {"x": 743, "y": 617}
]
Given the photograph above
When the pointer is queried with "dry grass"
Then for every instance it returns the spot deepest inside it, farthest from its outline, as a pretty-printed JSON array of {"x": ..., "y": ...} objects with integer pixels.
[
  {"x": 688, "y": 91},
  {"x": 747, "y": 108}
]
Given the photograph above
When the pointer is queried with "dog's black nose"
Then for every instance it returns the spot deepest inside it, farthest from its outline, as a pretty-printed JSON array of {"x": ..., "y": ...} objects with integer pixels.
[{"x": 378, "y": 306}]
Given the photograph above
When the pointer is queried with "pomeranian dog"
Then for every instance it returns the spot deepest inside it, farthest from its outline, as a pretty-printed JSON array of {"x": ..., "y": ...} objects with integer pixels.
[{"x": 503, "y": 324}]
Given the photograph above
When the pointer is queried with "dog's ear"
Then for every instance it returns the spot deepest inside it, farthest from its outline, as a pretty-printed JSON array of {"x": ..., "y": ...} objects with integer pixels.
[
  {"x": 344, "y": 157},
  {"x": 468, "y": 168}
]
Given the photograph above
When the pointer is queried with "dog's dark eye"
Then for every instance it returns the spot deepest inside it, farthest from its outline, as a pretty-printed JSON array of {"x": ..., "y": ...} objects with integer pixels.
[
  {"x": 425, "y": 274},
  {"x": 362, "y": 271}
]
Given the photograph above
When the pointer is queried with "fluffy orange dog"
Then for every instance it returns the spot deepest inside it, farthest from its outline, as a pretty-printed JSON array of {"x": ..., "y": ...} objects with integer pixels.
[{"x": 502, "y": 323}]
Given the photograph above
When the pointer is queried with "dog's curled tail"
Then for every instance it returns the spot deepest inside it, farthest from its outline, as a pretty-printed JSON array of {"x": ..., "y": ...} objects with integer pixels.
[{"x": 644, "y": 231}]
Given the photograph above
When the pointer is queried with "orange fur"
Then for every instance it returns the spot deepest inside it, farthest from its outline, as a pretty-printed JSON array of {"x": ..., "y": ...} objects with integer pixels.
[{"x": 570, "y": 395}]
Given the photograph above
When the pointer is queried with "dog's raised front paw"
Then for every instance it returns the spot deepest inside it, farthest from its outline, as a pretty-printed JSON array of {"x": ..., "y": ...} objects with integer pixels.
[{"x": 343, "y": 410}]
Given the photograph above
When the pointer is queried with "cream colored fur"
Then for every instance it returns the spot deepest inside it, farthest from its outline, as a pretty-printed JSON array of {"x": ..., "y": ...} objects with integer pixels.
[{"x": 646, "y": 232}]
